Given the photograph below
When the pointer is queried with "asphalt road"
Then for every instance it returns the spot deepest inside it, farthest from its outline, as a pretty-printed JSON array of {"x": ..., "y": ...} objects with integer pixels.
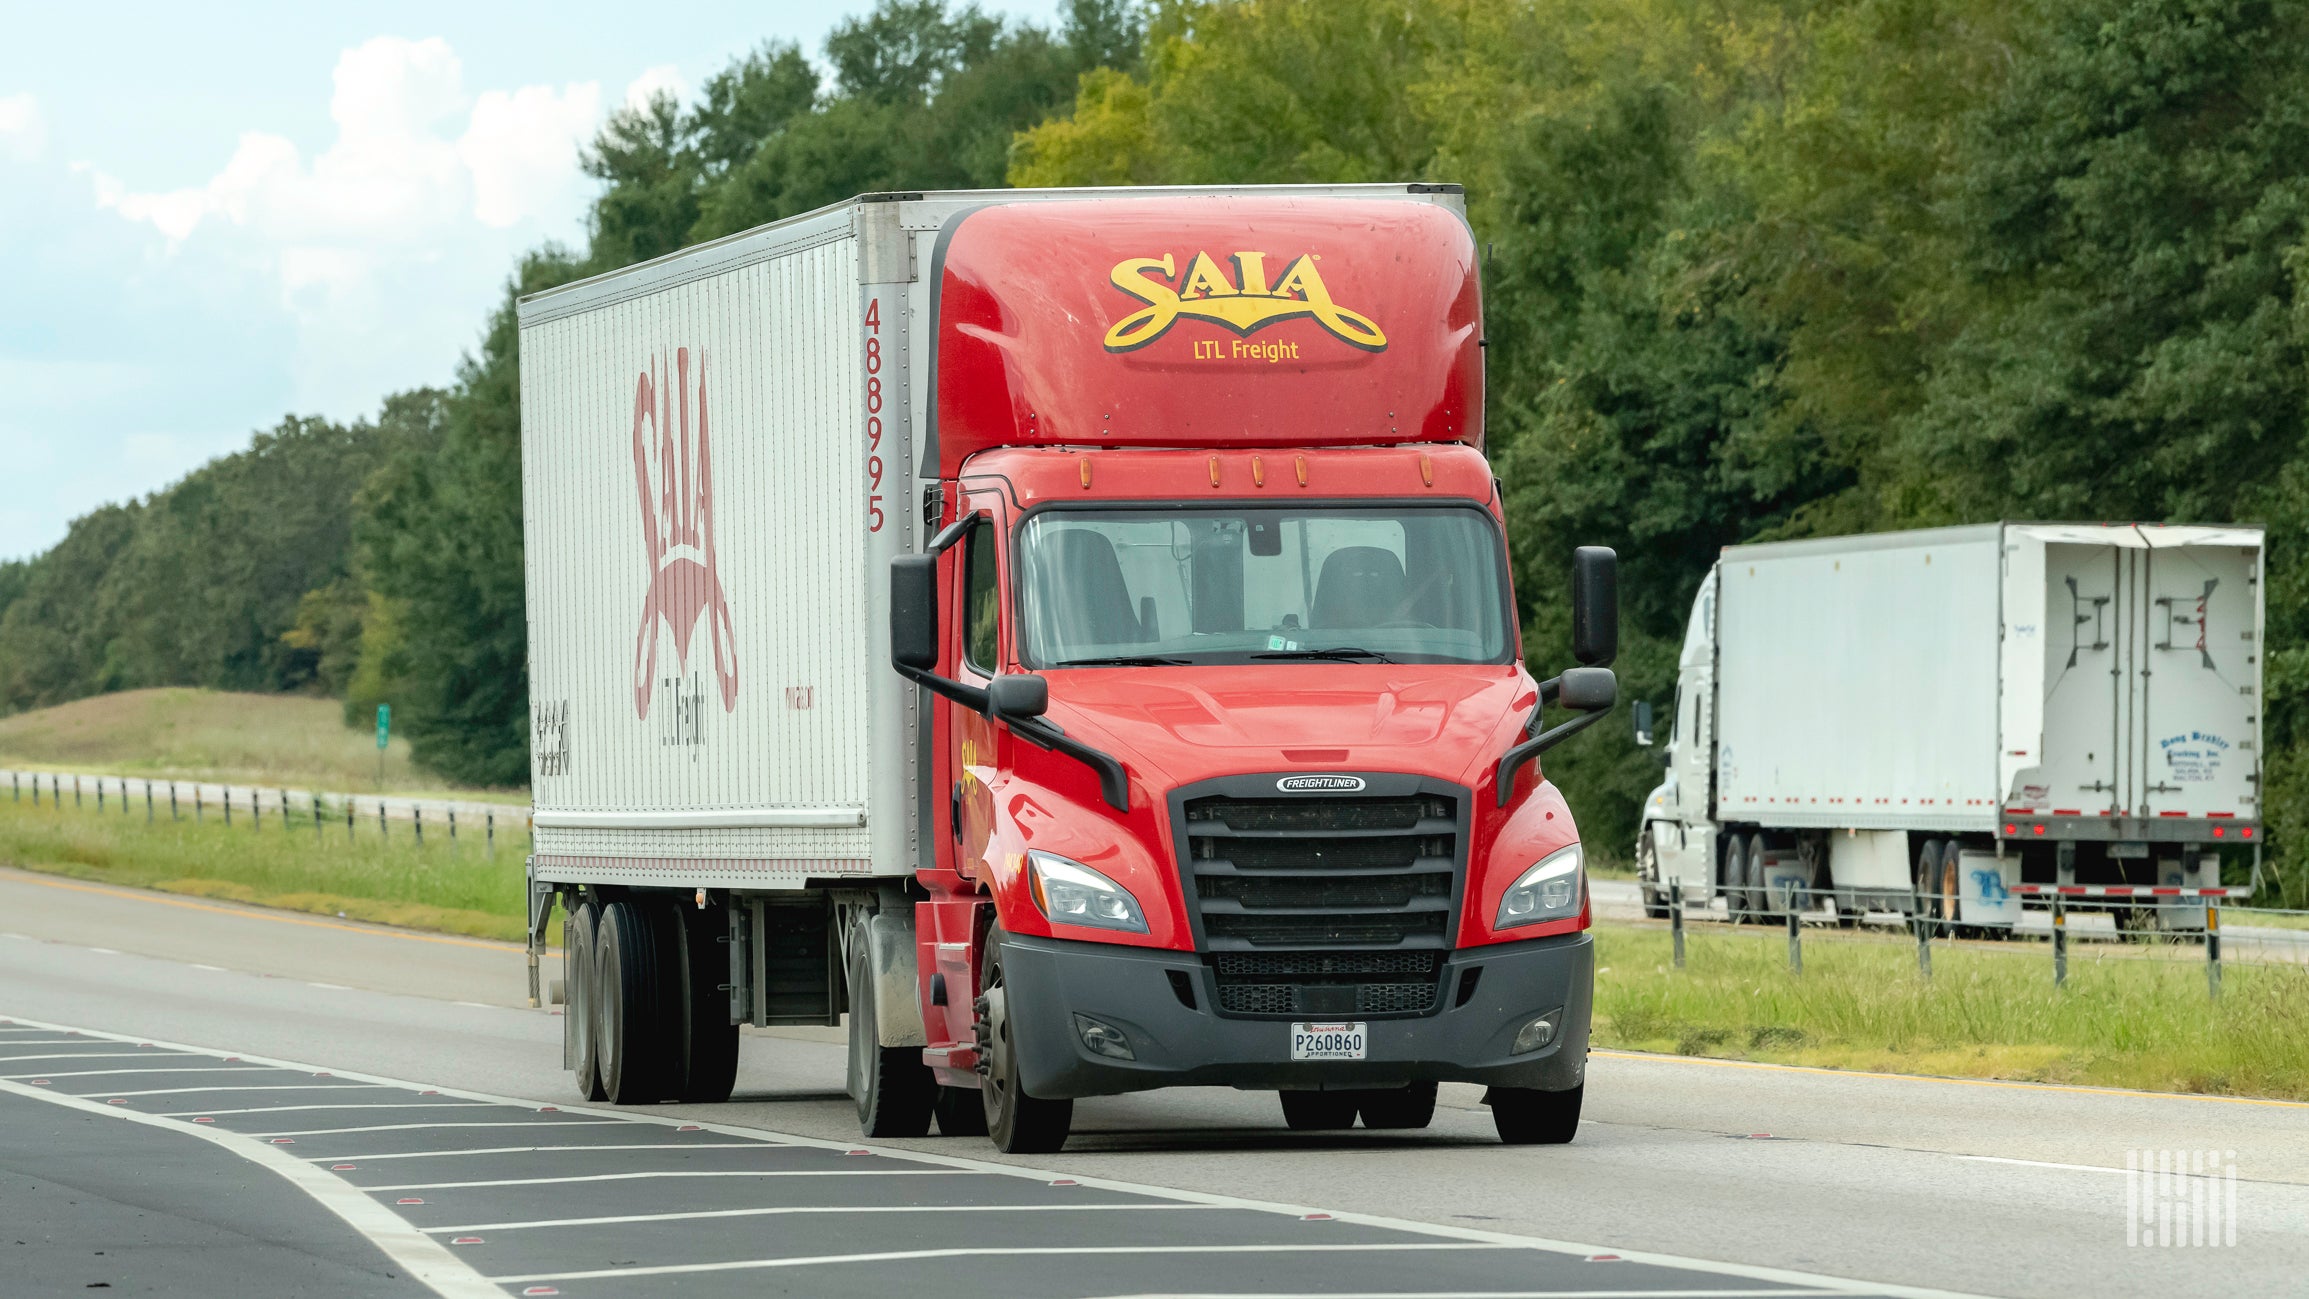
[{"x": 1934, "y": 1184}]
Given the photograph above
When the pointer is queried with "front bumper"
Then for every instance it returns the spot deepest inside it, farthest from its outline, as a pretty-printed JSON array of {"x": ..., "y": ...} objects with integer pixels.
[{"x": 1048, "y": 981}]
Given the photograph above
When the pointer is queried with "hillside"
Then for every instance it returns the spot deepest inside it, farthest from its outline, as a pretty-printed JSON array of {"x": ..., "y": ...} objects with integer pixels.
[{"x": 175, "y": 732}]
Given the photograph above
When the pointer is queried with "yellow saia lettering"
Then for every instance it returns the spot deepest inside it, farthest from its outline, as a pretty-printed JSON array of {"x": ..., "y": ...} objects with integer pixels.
[
  {"x": 1204, "y": 280},
  {"x": 1244, "y": 306}
]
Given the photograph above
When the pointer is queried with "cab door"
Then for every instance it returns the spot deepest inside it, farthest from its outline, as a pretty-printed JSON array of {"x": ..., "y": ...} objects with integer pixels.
[
  {"x": 1686, "y": 840},
  {"x": 978, "y": 641}
]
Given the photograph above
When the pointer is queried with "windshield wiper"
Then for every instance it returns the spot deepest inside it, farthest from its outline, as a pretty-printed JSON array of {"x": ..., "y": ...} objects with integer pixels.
[
  {"x": 1335, "y": 652},
  {"x": 1124, "y": 661}
]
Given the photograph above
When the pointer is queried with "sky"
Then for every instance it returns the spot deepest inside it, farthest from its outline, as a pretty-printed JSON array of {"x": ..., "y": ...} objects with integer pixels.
[{"x": 212, "y": 216}]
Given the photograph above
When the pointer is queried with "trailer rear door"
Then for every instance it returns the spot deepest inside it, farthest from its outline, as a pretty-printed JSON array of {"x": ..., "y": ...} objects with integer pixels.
[
  {"x": 2200, "y": 673},
  {"x": 2084, "y": 679}
]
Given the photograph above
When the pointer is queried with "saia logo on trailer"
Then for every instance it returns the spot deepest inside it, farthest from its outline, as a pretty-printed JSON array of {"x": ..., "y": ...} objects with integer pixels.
[
  {"x": 677, "y": 525},
  {"x": 1245, "y": 303}
]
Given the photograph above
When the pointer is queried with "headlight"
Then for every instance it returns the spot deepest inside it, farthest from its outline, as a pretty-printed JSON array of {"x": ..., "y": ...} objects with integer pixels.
[
  {"x": 1548, "y": 891},
  {"x": 1073, "y": 894}
]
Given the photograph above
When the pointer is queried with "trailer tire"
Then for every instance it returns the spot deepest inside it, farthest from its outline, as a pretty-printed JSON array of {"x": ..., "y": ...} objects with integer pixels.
[
  {"x": 1928, "y": 880},
  {"x": 1760, "y": 907},
  {"x": 1019, "y": 1123},
  {"x": 709, "y": 1035},
  {"x": 1399, "y": 1108},
  {"x": 1527, "y": 1117},
  {"x": 633, "y": 1044},
  {"x": 961, "y": 1112},
  {"x": 894, "y": 1089},
  {"x": 579, "y": 934},
  {"x": 1733, "y": 876},
  {"x": 1318, "y": 1111}
]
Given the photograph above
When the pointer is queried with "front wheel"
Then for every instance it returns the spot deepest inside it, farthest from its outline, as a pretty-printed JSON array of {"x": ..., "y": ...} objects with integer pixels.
[
  {"x": 894, "y": 1089},
  {"x": 1648, "y": 878},
  {"x": 1020, "y": 1123},
  {"x": 1525, "y": 1117}
]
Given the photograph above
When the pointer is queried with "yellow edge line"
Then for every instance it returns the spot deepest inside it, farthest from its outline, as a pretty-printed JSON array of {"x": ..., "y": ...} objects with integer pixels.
[
  {"x": 378, "y": 930},
  {"x": 1940, "y": 1078}
]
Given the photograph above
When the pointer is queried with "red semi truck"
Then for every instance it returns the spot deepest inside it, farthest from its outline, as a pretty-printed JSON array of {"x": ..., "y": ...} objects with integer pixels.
[{"x": 1066, "y": 636}]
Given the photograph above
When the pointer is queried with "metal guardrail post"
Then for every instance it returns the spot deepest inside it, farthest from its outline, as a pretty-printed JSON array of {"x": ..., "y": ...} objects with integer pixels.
[
  {"x": 148, "y": 802},
  {"x": 1923, "y": 944},
  {"x": 417, "y": 818},
  {"x": 2059, "y": 942},
  {"x": 2213, "y": 949},
  {"x": 1676, "y": 919},
  {"x": 489, "y": 832},
  {"x": 284, "y": 809},
  {"x": 197, "y": 810},
  {"x": 99, "y": 790},
  {"x": 382, "y": 832},
  {"x": 452, "y": 827},
  {"x": 348, "y": 818},
  {"x": 228, "y": 806},
  {"x": 1795, "y": 939},
  {"x": 315, "y": 795},
  {"x": 172, "y": 802}
]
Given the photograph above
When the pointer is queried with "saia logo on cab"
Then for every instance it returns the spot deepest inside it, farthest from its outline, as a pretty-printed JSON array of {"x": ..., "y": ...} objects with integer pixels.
[{"x": 1244, "y": 302}]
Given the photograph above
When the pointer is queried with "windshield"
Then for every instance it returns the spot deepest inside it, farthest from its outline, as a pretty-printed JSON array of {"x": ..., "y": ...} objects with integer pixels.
[{"x": 1236, "y": 585}]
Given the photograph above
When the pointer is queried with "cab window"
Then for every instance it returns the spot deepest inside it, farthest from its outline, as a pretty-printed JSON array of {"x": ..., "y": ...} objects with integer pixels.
[{"x": 980, "y": 605}]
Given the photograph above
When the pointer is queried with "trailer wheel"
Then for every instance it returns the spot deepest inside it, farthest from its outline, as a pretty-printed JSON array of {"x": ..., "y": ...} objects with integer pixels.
[
  {"x": 961, "y": 1112},
  {"x": 893, "y": 1088},
  {"x": 579, "y": 933},
  {"x": 1399, "y": 1108},
  {"x": 637, "y": 1007},
  {"x": 1648, "y": 878},
  {"x": 710, "y": 1036},
  {"x": 1526, "y": 1117},
  {"x": 1021, "y": 1124},
  {"x": 1318, "y": 1111},
  {"x": 1928, "y": 880},
  {"x": 1760, "y": 906},
  {"x": 1734, "y": 874},
  {"x": 1951, "y": 887}
]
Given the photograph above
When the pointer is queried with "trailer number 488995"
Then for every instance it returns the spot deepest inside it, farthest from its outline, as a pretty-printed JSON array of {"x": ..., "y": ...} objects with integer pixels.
[{"x": 1328, "y": 1041}]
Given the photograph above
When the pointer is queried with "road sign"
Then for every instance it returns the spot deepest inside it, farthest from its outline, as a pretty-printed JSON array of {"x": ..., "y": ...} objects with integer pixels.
[{"x": 384, "y": 724}]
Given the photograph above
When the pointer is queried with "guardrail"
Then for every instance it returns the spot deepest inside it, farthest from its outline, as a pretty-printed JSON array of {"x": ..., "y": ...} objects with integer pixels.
[{"x": 254, "y": 804}]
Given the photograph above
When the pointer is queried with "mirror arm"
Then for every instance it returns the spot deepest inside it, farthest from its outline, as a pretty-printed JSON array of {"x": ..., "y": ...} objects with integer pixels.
[
  {"x": 1512, "y": 761},
  {"x": 970, "y": 697},
  {"x": 950, "y": 534},
  {"x": 1113, "y": 781}
]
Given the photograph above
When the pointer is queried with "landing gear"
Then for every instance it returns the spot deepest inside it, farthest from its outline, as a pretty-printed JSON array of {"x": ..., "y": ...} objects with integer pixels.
[
  {"x": 895, "y": 1091},
  {"x": 1021, "y": 1124},
  {"x": 1526, "y": 1117}
]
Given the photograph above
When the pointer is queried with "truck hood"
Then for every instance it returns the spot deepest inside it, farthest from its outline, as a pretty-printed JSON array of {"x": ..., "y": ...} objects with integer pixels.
[{"x": 1179, "y": 725}]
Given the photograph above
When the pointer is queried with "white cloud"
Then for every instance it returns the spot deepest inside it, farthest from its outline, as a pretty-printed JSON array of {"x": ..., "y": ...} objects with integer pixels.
[
  {"x": 23, "y": 131},
  {"x": 521, "y": 148},
  {"x": 665, "y": 78}
]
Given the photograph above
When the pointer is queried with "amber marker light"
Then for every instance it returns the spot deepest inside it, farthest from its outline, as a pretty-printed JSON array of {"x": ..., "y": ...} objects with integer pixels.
[
  {"x": 1426, "y": 471},
  {"x": 1302, "y": 471},
  {"x": 1258, "y": 472},
  {"x": 1214, "y": 471},
  {"x": 1086, "y": 473}
]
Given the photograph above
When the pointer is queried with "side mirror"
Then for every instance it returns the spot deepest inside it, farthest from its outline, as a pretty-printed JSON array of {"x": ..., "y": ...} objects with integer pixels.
[
  {"x": 914, "y": 612},
  {"x": 1017, "y": 696},
  {"x": 1595, "y": 606},
  {"x": 1643, "y": 723},
  {"x": 1588, "y": 690}
]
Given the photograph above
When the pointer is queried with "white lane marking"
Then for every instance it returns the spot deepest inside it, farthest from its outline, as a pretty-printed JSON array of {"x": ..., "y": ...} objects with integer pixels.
[
  {"x": 1482, "y": 1294},
  {"x": 535, "y": 1150},
  {"x": 332, "y": 987},
  {"x": 477, "y": 1005},
  {"x": 1028, "y": 1172},
  {"x": 86, "y": 1055},
  {"x": 2039, "y": 1163},
  {"x": 433, "y": 1127},
  {"x": 697, "y": 1172},
  {"x": 782, "y": 1210},
  {"x": 363, "y": 1105},
  {"x": 909, "y": 1255},
  {"x": 108, "y": 951},
  {"x": 190, "y": 1068},
  {"x": 421, "y": 1256},
  {"x": 300, "y": 1087},
  {"x": 218, "y": 968},
  {"x": 47, "y": 1041}
]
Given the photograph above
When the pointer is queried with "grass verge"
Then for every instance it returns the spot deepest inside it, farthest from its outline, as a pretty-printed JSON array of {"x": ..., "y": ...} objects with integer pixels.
[
  {"x": 387, "y": 879},
  {"x": 1987, "y": 1012}
]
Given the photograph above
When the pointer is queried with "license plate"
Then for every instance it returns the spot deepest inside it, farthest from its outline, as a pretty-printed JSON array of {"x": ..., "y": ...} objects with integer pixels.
[{"x": 1328, "y": 1041}]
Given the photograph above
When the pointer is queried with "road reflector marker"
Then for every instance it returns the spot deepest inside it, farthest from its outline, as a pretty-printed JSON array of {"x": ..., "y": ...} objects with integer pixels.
[
  {"x": 322, "y": 1074},
  {"x": 1603, "y": 1258},
  {"x": 116, "y": 1101},
  {"x": 859, "y": 1152},
  {"x": 689, "y": 1127},
  {"x": 284, "y": 1141},
  {"x": 1065, "y": 1181},
  {"x": 541, "y": 1289},
  {"x": 40, "y": 1082},
  {"x": 344, "y": 1168},
  {"x": 465, "y": 1240},
  {"x": 1314, "y": 1217},
  {"x": 428, "y": 1093},
  {"x": 549, "y": 1109},
  {"x": 204, "y": 1119},
  {"x": 409, "y": 1200}
]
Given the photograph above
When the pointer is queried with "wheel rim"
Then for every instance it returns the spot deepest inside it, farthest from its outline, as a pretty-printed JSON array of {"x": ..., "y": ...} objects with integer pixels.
[
  {"x": 862, "y": 1043},
  {"x": 997, "y": 1059}
]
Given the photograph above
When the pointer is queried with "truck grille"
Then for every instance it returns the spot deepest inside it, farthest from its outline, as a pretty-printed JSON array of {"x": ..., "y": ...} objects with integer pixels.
[{"x": 1321, "y": 906}]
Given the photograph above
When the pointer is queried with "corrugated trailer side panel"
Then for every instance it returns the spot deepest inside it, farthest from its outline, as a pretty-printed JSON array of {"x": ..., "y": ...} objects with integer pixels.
[
  {"x": 699, "y": 636},
  {"x": 1858, "y": 681}
]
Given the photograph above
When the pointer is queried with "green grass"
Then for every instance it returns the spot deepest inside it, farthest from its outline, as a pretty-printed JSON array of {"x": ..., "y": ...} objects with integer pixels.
[
  {"x": 1988, "y": 1011},
  {"x": 296, "y": 741},
  {"x": 387, "y": 879}
]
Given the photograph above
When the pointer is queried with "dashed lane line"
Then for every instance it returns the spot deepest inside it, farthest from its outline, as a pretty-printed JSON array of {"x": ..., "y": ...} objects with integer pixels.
[
  {"x": 421, "y": 1256},
  {"x": 1003, "y": 1251},
  {"x": 297, "y": 1087},
  {"x": 686, "y": 1172},
  {"x": 1481, "y": 1294},
  {"x": 773, "y": 1211},
  {"x": 541, "y": 1150},
  {"x": 436, "y": 1127},
  {"x": 362, "y": 1105},
  {"x": 114, "y": 1073},
  {"x": 1785, "y": 1277}
]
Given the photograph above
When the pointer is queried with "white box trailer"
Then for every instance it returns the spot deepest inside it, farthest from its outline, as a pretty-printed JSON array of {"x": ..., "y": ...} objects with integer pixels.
[{"x": 1963, "y": 714}]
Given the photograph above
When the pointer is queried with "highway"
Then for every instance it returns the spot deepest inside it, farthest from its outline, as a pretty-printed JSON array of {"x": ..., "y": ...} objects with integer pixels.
[{"x": 1688, "y": 1178}]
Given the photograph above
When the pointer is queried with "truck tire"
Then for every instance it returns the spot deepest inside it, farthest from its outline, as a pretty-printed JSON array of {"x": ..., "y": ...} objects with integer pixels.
[
  {"x": 1734, "y": 877},
  {"x": 1399, "y": 1108},
  {"x": 1526, "y": 1117},
  {"x": 638, "y": 1007},
  {"x": 1655, "y": 898},
  {"x": 710, "y": 1036},
  {"x": 1020, "y": 1123},
  {"x": 1928, "y": 881},
  {"x": 1760, "y": 903},
  {"x": 893, "y": 1088},
  {"x": 579, "y": 935},
  {"x": 1318, "y": 1111}
]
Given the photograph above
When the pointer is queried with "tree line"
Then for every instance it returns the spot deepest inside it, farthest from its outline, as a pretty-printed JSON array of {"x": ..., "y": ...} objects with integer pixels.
[{"x": 1753, "y": 269}]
